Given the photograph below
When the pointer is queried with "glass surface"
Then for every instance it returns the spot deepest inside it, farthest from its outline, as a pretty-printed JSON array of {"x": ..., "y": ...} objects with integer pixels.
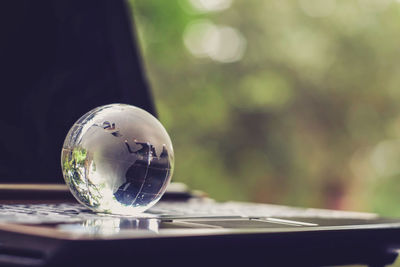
[{"x": 117, "y": 159}]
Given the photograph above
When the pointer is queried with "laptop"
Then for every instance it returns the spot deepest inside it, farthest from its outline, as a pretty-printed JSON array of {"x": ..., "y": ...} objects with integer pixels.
[{"x": 83, "y": 54}]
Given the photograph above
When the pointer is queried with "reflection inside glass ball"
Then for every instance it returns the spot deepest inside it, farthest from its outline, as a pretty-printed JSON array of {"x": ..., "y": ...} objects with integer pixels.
[{"x": 117, "y": 159}]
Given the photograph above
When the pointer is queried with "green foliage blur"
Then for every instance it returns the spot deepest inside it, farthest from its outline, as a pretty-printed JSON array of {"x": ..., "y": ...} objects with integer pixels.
[{"x": 291, "y": 102}]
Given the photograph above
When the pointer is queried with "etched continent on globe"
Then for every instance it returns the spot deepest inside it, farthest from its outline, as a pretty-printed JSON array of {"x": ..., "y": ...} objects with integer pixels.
[{"x": 117, "y": 159}]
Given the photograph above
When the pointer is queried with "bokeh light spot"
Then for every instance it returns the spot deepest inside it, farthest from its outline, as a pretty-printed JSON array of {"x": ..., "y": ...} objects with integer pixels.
[
  {"x": 210, "y": 5},
  {"x": 220, "y": 43},
  {"x": 385, "y": 157}
]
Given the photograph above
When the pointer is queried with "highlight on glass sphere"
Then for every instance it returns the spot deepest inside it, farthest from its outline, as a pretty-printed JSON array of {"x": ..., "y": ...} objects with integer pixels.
[{"x": 117, "y": 159}]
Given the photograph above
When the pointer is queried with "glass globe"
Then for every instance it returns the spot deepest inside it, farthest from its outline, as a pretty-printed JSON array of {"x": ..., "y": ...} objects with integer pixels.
[{"x": 117, "y": 159}]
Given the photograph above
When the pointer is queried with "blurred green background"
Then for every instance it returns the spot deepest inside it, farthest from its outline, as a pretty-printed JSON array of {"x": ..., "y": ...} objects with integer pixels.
[{"x": 291, "y": 102}]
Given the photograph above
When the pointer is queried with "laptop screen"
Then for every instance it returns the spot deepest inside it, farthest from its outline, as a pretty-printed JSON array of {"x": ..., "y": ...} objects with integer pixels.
[{"x": 62, "y": 58}]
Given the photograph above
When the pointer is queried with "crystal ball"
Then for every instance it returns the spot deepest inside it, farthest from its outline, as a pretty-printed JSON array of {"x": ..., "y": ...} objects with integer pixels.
[{"x": 117, "y": 159}]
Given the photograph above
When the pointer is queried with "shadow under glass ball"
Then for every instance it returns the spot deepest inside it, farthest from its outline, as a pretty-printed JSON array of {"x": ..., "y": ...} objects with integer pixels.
[{"x": 117, "y": 159}]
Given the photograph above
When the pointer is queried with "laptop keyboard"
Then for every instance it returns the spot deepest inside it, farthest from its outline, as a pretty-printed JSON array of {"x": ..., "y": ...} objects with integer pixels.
[
  {"x": 74, "y": 212},
  {"x": 252, "y": 210}
]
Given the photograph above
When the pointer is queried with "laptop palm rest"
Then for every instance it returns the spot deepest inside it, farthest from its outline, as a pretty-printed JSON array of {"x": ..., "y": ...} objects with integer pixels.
[{"x": 236, "y": 223}]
